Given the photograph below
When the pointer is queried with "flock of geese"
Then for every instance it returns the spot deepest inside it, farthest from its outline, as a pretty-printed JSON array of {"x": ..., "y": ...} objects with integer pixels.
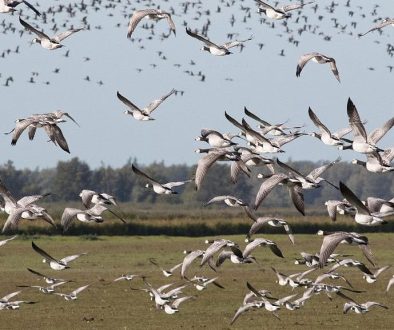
[{"x": 244, "y": 149}]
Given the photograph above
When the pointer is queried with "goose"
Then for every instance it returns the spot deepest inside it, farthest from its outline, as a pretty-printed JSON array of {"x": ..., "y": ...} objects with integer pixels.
[
  {"x": 283, "y": 279},
  {"x": 144, "y": 113},
  {"x": 246, "y": 307},
  {"x": 373, "y": 278},
  {"x": 91, "y": 215},
  {"x": 228, "y": 200},
  {"x": 205, "y": 163},
  {"x": 47, "y": 290},
  {"x": 281, "y": 12},
  {"x": 215, "y": 49},
  {"x": 214, "y": 247},
  {"x": 157, "y": 297},
  {"x": 378, "y": 163},
  {"x": 171, "y": 308},
  {"x": 308, "y": 259},
  {"x": 158, "y": 188},
  {"x": 362, "y": 142},
  {"x": 259, "y": 222},
  {"x": 329, "y": 289},
  {"x": 214, "y": 138},
  {"x": 294, "y": 187},
  {"x": 5, "y": 241},
  {"x": 318, "y": 58},
  {"x": 14, "y": 304},
  {"x": 201, "y": 282},
  {"x": 254, "y": 243},
  {"x": 328, "y": 138},
  {"x": 72, "y": 295},
  {"x": 91, "y": 198},
  {"x": 271, "y": 307},
  {"x": 341, "y": 207},
  {"x": 257, "y": 295},
  {"x": 331, "y": 241},
  {"x": 150, "y": 13},
  {"x": 49, "y": 280},
  {"x": 313, "y": 179},
  {"x": 53, "y": 263},
  {"x": 235, "y": 256},
  {"x": 360, "y": 308},
  {"x": 44, "y": 40},
  {"x": 8, "y": 6},
  {"x": 332, "y": 276},
  {"x": 127, "y": 277},
  {"x": 166, "y": 272},
  {"x": 379, "y": 26},
  {"x": 379, "y": 205},
  {"x": 363, "y": 215}
]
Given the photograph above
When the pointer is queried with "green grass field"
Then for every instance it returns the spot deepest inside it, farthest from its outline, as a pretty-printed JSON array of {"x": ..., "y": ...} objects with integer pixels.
[{"x": 113, "y": 305}]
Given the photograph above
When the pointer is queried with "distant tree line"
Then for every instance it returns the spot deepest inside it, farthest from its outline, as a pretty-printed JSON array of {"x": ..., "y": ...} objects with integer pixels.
[{"x": 68, "y": 178}]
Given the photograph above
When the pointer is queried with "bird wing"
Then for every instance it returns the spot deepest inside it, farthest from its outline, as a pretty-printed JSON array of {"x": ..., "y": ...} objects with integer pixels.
[
  {"x": 59, "y": 138},
  {"x": 26, "y": 25},
  {"x": 353, "y": 199},
  {"x": 238, "y": 167},
  {"x": 303, "y": 60},
  {"x": 9, "y": 296},
  {"x": 348, "y": 305},
  {"x": 27, "y": 200},
  {"x": 68, "y": 259},
  {"x": 175, "y": 184},
  {"x": 13, "y": 218},
  {"x": 234, "y": 122},
  {"x": 178, "y": 301},
  {"x": 68, "y": 216},
  {"x": 314, "y": 174},
  {"x": 170, "y": 22},
  {"x": 32, "y": 131},
  {"x": 31, "y": 7},
  {"x": 332, "y": 209},
  {"x": 235, "y": 43},
  {"x": 187, "y": 261},
  {"x": 137, "y": 16},
  {"x": 242, "y": 310},
  {"x": 204, "y": 164},
  {"x": 297, "y": 197},
  {"x": 86, "y": 196},
  {"x": 222, "y": 256},
  {"x": 140, "y": 173},
  {"x": 127, "y": 102},
  {"x": 378, "y": 133},
  {"x": 355, "y": 120},
  {"x": 318, "y": 123},
  {"x": 378, "y": 26},
  {"x": 264, "y": 5},
  {"x": 388, "y": 156},
  {"x": 295, "y": 6},
  {"x": 257, "y": 225},
  {"x": 36, "y": 273},
  {"x": 63, "y": 35},
  {"x": 286, "y": 167},
  {"x": 154, "y": 104},
  {"x": 43, "y": 253},
  {"x": 204, "y": 40},
  {"x": 334, "y": 69},
  {"x": 75, "y": 292},
  {"x": 267, "y": 186},
  {"x": 330, "y": 242},
  {"x": 19, "y": 128},
  {"x": 6, "y": 194}
]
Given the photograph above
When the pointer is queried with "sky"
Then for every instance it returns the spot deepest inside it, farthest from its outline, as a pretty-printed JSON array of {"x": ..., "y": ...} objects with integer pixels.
[{"x": 261, "y": 80}]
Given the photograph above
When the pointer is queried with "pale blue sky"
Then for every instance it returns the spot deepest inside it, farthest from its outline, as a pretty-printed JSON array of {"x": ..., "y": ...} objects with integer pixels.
[{"x": 261, "y": 80}]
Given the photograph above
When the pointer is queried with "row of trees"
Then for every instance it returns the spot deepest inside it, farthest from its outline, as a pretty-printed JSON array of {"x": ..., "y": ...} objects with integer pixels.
[{"x": 68, "y": 178}]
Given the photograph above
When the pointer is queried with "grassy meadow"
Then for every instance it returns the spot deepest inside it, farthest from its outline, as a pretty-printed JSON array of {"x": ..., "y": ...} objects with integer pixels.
[{"x": 114, "y": 305}]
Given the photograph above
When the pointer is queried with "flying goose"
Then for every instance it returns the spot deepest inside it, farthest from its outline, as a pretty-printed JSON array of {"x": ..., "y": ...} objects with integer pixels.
[
  {"x": 188, "y": 260},
  {"x": 53, "y": 263},
  {"x": 44, "y": 40},
  {"x": 172, "y": 307},
  {"x": 257, "y": 295},
  {"x": 214, "y": 138},
  {"x": 91, "y": 215},
  {"x": 308, "y": 259},
  {"x": 379, "y": 26},
  {"x": 254, "y": 243},
  {"x": 259, "y": 222},
  {"x": 318, "y": 58},
  {"x": 166, "y": 272},
  {"x": 341, "y": 207},
  {"x": 360, "y": 308},
  {"x": 362, "y": 142},
  {"x": 246, "y": 307},
  {"x": 144, "y": 113},
  {"x": 373, "y": 278},
  {"x": 331, "y": 241},
  {"x": 158, "y": 188},
  {"x": 228, "y": 200},
  {"x": 91, "y": 198},
  {"x": 328, "y": 138},
  {"x": 235, "y": 256},
  {"x": 150, "y": 13},
  {"x": 363, "y": 215},
  {"x": 201, "y": 282},
  {"x": 332, "y": 276},
  {"x": 351, "y": 263},
  {"x": 49, "y": 280},
  {"x": 283, "y": 279},
  {"x": 7, "y": 6},
  {"x": 279, "y": 12},
  {"x": 378, "y": 163},
  {"x": 215, "y": 49},
  {"x": 215, "y": 246},
  {"x": 5, "y": 241},
  {"x": 127, "y": 277},
  {"x": 47, "y": 290},
  {"x": 72, "y": 295}
]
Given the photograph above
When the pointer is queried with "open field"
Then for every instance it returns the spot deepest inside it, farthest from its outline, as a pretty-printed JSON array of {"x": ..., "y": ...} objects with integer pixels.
[{"x": 113, "y": 305}]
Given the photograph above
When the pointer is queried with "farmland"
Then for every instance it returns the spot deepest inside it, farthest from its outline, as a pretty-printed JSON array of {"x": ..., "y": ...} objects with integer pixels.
[{"x": 114, "y": 305}]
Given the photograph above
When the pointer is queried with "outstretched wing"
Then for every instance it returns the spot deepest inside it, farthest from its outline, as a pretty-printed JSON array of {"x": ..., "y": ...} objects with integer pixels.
[
  {"x": 63, "y": 35},
  {"x": 154, "y": 104},
  {"x": 27, "y": 26},
  {"x": 204, "y": 40}
]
